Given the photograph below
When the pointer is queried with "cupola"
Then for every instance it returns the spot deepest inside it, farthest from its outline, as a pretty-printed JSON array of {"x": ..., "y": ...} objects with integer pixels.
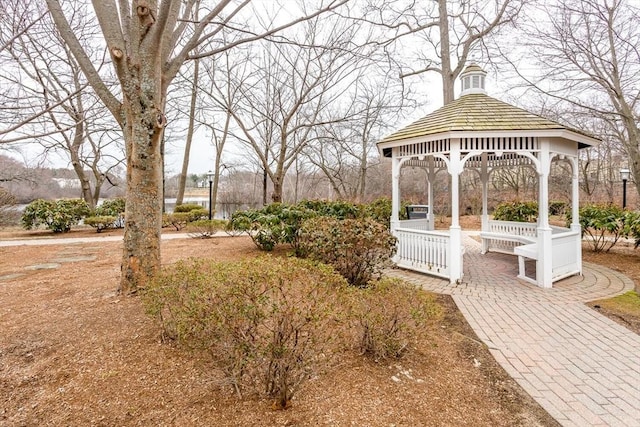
[{"x": 472, "y": 80}]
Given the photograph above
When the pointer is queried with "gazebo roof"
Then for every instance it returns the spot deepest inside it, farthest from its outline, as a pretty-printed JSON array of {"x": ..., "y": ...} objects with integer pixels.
[{"x": 478, "y": 112}]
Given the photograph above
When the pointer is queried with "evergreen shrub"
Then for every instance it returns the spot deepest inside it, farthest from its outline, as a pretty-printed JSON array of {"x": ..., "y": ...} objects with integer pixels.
[
  {"x": 57, "y": 215},
  {"x": 359, "y": 249}
]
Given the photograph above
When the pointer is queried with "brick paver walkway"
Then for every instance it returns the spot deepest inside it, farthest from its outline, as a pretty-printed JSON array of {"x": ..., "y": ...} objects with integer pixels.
[{"x": 583, "y": 368}]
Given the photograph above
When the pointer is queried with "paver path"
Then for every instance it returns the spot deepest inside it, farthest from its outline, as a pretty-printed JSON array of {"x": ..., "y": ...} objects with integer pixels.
[{"x": 583, "y": 368}]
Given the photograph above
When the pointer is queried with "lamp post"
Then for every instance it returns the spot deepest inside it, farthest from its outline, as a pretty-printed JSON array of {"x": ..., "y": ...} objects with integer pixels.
[
  {"x": 210, "y": 177},
  {"x": 624, "y": 175}
]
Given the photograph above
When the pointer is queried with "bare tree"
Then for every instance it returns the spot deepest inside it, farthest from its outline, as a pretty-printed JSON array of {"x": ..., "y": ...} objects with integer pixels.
[
  {"x": 588, "y": 60},
  {"x": 345, "y": 151},
  {"x": 149, "y": 41},
  {"x": 294, "y": 90},
  {"x": 440, "y": 34},
  {"x": 20, "y": 20},
  {"x": 191, "y": 119},
  {"x": 191, "y": 128},
  {"x": 46, "y": 77},
  {"x": 223, "y": 76}
]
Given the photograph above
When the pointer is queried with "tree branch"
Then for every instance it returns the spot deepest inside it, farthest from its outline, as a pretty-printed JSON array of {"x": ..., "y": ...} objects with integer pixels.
[{"x": 110, "y": 101}]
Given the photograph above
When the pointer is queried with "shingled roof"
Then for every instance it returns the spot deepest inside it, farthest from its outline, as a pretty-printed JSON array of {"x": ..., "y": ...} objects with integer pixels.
[{"x": 476, "y": 112}]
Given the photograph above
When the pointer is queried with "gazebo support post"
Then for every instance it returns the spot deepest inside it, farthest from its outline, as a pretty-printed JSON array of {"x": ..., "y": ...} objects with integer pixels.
[
  {"x": 395, "y": 191},
  {"x": 455, "y": 232},
  {"x": 575, "y": 208},
  {"x": 544, "y": 266},
  {"x": 431, "y": 176},
  {"x": 484, "y": 178}
]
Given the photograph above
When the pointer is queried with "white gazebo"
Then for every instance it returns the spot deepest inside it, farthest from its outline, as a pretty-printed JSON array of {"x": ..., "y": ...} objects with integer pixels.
[{"x": 479, "y": 132}]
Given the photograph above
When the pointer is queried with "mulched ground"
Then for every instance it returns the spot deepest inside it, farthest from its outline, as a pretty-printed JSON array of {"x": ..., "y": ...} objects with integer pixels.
[{"x": 73, "y": 352}]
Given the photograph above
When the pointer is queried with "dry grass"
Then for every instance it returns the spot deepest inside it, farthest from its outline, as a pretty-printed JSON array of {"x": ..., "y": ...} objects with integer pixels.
[{"x": 624, "y": 309}]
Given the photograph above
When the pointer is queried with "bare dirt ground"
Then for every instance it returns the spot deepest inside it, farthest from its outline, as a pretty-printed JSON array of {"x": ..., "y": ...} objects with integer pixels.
[{"x": 73, "y": 352}]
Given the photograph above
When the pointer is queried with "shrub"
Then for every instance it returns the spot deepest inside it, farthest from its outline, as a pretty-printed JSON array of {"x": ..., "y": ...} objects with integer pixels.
[
  {"x": 57, "y": 215},
  {"x": 265, "y": 230},
  {"x": 388, "y": 315},
  {"x": 279, "y": 223},
  {"x": 188, "y": 207},
  {"x": 557, "y": 208},
  {"x": 516, "y": 211},
  {"x": 101, "y": 222},
  {"x": 357, "y": 248},
  {"x": 267, "y": 323},
  {"x": 114, "y": 208},
  {"x": 379, "y": 210},
  {"x": 335, "y": 209},
  {"x": 177, "y": 220},
  {"x": 205, "y": 228},
  {"x": 631, "y": 221},
  {"x": 602, "y": 225},
  {"x": 198, "y": 214},
  {"x": 274, "y": 224},
  {"x": 8, "y": 214}
]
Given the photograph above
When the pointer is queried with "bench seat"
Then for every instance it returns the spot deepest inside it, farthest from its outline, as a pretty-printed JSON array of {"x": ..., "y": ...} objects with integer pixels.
[{"x": 502, "y": 242}]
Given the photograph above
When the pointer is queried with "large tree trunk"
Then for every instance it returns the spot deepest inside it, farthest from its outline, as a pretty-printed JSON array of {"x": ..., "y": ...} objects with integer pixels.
[
  {"x": 143, "y": 129},
  {"x": 143, "y": 214},
  {"x": 448, "y": 79},
  {"x": 276, "y": 196}
]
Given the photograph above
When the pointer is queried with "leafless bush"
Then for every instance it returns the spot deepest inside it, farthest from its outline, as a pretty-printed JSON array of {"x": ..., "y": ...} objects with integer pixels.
[{"x": 9, "y": 215}]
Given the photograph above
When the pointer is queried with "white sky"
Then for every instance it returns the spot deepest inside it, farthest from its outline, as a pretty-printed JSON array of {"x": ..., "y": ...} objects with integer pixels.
[{"x": 202, "y": 153}]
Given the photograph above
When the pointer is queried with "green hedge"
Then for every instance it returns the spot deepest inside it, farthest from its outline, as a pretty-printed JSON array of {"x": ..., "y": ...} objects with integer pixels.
[
  {"x": 279, "y": 223},
  {"x": 57, "y": 215}
]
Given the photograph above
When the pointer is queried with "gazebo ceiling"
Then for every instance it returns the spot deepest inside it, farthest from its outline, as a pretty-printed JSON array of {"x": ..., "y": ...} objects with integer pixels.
[{"x": 479, "y": 115}]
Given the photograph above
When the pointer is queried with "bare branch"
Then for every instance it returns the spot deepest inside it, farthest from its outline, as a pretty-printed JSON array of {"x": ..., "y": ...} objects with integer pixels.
[{"x": 83, "y": 60}]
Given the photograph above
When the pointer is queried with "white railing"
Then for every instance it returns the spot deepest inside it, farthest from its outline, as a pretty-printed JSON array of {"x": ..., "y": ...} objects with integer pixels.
[
  {"x": 504, "y": 236},
  {"x": 423, "y": 251},
  {"x": 527, "y": 229},
  {"x": 566, "y": 260},
  {"x": 556, "y": 230},
  {"x": 417, "y": 224}
]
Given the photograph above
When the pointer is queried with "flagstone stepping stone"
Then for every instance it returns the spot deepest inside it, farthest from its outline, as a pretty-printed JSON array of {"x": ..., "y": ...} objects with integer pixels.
[
  {"x": 11, "y": 276},
  {"x": 75, "y": 258},
  {"x": 45, "y": 266}
]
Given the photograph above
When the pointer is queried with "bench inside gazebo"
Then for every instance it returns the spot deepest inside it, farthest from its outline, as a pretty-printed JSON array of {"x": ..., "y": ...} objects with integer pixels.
[{"x": 479, "y": 132}]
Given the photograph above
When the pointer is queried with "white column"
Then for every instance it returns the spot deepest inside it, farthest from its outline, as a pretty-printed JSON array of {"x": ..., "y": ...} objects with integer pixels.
[
  {"x": 484, "y": 178},
  {"x": 431, "y": 176},
  {"x": 395, "y": 190},
  {"x": 545, "y": 256},
  {"x": 455, "y": 233},
  {"x": 575, "y": 210}
]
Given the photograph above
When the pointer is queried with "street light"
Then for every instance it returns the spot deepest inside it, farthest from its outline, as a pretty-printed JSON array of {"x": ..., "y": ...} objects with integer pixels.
[
  {"x": 210, "y": 176},
  {"x": 624, "y": 175}
]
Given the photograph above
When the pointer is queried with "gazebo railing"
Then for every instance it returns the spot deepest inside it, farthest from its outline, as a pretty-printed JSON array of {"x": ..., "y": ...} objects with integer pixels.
[
  {"x": 417, "y": 224},
  {"x": 423, "y": 251},
  {"x": 503, "y": 236},
  {"x": 566, "y": 260},
  {"x": 526, "y": 229}
]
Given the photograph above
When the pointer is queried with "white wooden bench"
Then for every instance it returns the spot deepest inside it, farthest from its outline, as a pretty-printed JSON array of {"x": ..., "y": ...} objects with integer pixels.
[
  {"x": 526, "y": 251},
  {"x": 503, "y": 242}
]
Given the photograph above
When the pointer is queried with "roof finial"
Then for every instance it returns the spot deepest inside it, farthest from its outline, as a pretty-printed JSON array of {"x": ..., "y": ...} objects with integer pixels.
[{"x": 472, "y": 80}]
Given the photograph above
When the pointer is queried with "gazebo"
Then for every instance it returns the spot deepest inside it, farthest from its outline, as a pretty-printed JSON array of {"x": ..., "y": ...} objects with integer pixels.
[{"x": 482, "y": 133}]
